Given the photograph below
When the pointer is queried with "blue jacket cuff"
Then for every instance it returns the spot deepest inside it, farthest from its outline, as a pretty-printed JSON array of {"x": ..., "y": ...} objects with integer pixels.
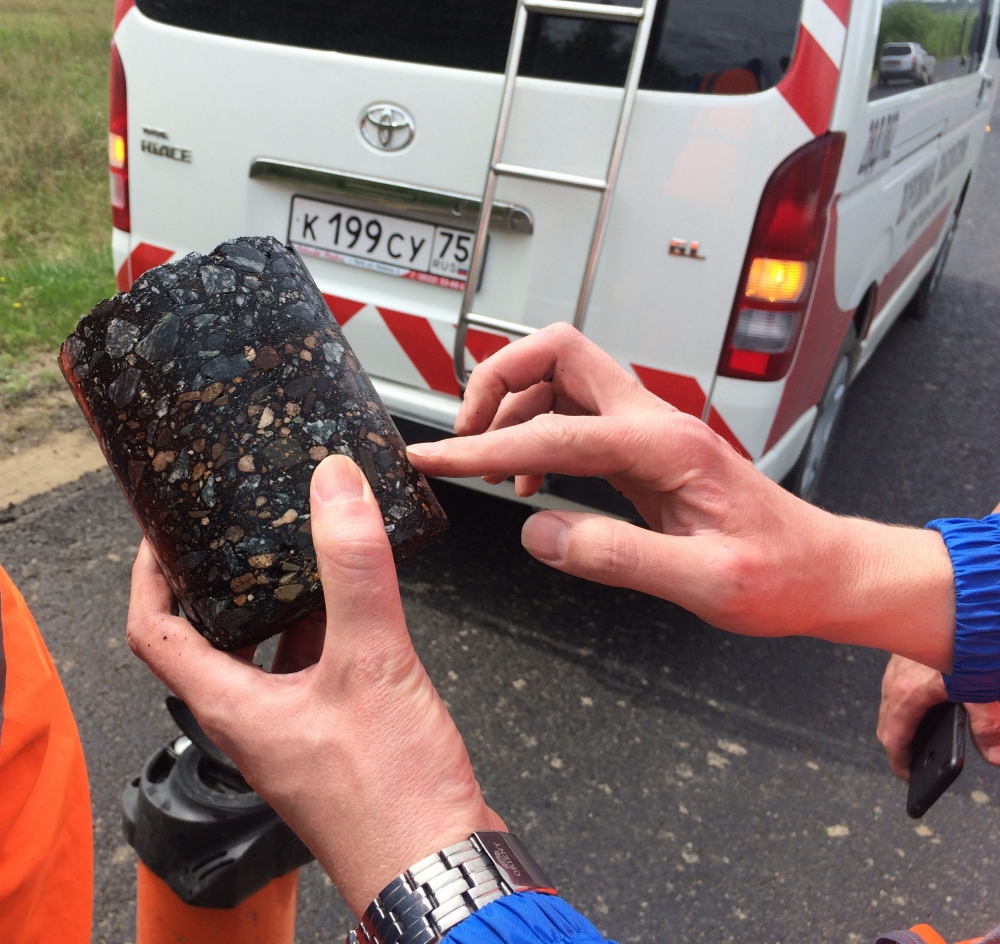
[
  {"x": 974, "y": 547},
  {"x": 526, "y": 918}
]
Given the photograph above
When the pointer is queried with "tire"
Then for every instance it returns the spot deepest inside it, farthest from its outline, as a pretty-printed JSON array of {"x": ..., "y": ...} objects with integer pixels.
[
  {"x": 920, "y": 304},
  {"x": 804, "y": 478}
]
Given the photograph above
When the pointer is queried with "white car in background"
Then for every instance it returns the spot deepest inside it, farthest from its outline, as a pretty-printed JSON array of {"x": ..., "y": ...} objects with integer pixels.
[
  {"x": 909, "y": 61},
  {"x": 706, "y": 188}
]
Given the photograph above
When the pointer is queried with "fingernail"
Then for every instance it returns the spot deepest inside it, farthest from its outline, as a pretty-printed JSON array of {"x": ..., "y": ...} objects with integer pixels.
[
  {"x": 993, "y": 756},
  {"x": 425, "y": 450},
  {"x": 544, "y": 536},
  {"x": 337, "y": 479}
]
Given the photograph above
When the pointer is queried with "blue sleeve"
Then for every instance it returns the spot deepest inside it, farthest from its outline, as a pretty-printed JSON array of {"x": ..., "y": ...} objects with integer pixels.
[
  {"x": 526, "y": 918},
  {"x": 974, "y": 547}
]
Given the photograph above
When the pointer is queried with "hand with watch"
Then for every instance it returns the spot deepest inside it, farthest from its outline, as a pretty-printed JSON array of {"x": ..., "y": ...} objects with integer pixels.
[
  {"x": 347, "y": 737},
  {"x": 422, "y": 904}
]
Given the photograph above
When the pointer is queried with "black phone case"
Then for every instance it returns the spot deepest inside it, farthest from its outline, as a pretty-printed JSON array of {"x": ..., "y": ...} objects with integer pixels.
[{"x": 938, "y": 756}]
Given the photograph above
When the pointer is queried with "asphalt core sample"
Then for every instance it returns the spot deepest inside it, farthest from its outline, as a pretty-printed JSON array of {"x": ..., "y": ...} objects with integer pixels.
[{"x": 215, "y": 387}]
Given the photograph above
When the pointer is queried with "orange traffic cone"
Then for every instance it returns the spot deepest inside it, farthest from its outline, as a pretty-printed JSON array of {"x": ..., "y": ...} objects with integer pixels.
[
  {"x": 266, "y": 917},
  {"x": 216, "y": 864}
]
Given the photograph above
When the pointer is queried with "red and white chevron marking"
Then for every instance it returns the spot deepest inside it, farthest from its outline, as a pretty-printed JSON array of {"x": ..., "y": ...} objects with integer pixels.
[
  {"x": 144, "y": 256},
  {"x": 425, "y": 343},
  {"x": 810, "y": 84}
]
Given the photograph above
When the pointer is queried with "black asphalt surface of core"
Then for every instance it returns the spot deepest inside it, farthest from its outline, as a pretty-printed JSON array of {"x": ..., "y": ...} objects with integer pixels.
[{"x": 677, "y": 783}]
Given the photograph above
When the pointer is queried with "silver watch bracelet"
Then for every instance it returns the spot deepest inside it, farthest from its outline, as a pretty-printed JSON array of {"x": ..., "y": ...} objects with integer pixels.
[{"x": 426, "y": 901}]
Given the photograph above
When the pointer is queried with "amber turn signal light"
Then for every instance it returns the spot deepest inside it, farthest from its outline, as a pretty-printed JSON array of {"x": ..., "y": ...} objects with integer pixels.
[
  {"x": 116, "y": 151},
  {"x": 776, "y": 280}
]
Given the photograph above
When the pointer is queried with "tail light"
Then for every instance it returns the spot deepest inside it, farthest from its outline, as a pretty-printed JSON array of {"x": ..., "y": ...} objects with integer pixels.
[
  {"x": 781, "y": 261},
  {"x": 118, "y": 144},
  {"x": 121, "y": 8},
  {"x": 914, "y": 62}
]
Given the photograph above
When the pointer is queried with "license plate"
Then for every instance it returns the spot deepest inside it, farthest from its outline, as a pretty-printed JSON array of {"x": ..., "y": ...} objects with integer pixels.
[{"x": 409, "y": 249}]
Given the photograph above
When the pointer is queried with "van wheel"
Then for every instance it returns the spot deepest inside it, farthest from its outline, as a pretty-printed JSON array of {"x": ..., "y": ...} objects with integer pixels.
[
  {"x": 804, "y": 478},
  {"x": 920, "y": 304}
]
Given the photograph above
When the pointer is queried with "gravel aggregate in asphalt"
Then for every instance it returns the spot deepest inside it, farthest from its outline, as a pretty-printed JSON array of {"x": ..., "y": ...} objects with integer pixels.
[{"x": 679, "y": 784}]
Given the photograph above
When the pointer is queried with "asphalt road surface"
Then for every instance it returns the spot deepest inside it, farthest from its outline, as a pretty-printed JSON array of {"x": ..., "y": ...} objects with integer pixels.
[{"x": 679, "y": 784}]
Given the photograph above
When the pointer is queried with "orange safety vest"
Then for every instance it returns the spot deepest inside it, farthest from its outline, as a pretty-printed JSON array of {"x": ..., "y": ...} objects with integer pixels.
[
  {"x": 925, "y": 934},
  {"x": 46, "y": 842}
]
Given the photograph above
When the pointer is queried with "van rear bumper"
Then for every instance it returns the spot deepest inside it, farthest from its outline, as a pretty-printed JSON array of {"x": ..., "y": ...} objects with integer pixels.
[
  {"x": 424, "y": 416},
  {"x": 435, "y": 411}
]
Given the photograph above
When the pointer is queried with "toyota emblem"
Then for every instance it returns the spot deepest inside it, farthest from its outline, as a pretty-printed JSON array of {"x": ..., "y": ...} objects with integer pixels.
[{"x": 387, "y": 127}]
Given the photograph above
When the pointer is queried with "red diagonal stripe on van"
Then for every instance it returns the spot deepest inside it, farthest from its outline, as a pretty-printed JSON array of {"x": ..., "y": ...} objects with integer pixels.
[
  {"x": 840, "y": 9},
  {"x": 343, "y": 308},
  {"x": 918, "y": 249},
  {"x": 422, "y": 346},
  {"x": 483, "y": 344},
  {"x": 811, "y": 83},
  {"x": 718, "y": 425},
  {"x": 145, "y": 256},
  {"x": 686, "y": 394}
]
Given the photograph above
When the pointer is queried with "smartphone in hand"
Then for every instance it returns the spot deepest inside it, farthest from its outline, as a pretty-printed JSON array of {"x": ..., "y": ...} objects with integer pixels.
[{"x": 938, "y": 756}]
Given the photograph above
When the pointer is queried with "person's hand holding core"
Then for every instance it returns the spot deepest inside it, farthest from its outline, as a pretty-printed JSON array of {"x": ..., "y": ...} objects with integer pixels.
[{"x": 351, "y": 744}]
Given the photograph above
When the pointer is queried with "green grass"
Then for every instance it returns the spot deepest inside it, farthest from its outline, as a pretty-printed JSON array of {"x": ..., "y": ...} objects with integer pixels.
[
  {"x": 40, "y": 301},
  {"x": 18, "y": 385},
  {"x": 55, "y": 225}
]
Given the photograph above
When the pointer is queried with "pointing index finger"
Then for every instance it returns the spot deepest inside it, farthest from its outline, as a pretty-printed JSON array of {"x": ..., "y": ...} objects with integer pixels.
[
  {"x": 655, "y": 449},
  {"x": 579, "y": 370}
]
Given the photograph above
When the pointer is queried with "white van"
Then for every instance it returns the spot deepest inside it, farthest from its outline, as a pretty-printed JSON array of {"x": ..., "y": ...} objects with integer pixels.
[{"x": 723, "y": 194}]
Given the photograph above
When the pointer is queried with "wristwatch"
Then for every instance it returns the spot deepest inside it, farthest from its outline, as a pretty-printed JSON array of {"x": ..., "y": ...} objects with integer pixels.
[{"x": 422, "y": 904}]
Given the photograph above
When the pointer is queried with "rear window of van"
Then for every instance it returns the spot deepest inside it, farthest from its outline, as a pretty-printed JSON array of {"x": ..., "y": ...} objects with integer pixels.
[
  {"x": 897, "y": 49},
  {"x": 702, "y": 46}
]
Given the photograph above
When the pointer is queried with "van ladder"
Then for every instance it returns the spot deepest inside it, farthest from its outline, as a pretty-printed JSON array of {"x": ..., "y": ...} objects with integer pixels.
[{"x": 643, "y": 18}]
